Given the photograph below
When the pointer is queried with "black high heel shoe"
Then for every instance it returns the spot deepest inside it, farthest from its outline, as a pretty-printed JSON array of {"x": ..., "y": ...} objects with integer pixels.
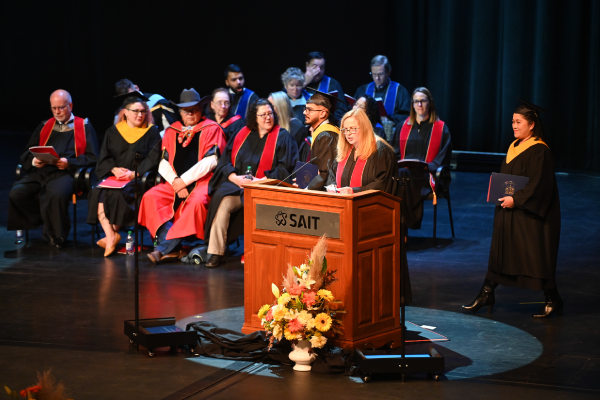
[
  {"x": 485, "y": 298},
  {"x": 554, "y": 305}
]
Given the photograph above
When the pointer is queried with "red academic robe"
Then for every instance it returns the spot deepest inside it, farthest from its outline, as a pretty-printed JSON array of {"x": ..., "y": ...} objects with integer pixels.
[{"x": 157, "y": 205}]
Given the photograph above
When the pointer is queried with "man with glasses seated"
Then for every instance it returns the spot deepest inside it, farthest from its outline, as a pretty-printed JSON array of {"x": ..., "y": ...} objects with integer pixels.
[
  {"x": 177, "y": 208},
  {"x": 44, "y": 194},
  {"x": 324, "y": 137},
  {"x": 396, "y": 98},
  {"x": 315, "y": 77},
  {"x": 241, "y": 97},
  {"x": 219, "y": 110}
]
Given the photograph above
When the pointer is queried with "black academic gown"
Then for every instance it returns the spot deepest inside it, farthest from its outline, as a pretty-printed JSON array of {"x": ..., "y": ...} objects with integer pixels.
[
  {"x": 119, "y": 204},
  {"x": 402, "y": 106},
  {"x": 232, "y": 129},
  {"x": 299, "y": 131},
  {"x": 219, "y": 186},
  {"x": 325, "y": 149},
  {"x": 44, "y": 194},
  {"x": 419, "y": 187},
  {"x": 525, "y": 239}
]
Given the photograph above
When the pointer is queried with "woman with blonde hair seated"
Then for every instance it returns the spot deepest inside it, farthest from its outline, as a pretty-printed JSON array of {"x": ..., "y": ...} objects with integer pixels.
[
  {"x": 287, "y": 119},
  {"x": 364, "y": 160}
]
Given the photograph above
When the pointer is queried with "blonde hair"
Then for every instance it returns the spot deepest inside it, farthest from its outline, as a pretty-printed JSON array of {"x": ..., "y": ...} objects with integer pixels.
[
  {"x": 281, "y": 101},
  {"x": 148, "y": 120},
  {"x": 367, "y": 143}
]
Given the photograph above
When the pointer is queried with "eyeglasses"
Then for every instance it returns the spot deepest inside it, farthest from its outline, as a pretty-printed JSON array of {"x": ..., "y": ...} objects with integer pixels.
[
  {"x": 55, "y": 109},
  {"x": 352, "y": 129},
  {"x": 265, "y": 115},
  {"x": 190, "y": 112},
  {"x": 306, "y": 109},
  {"x": 137, "y": 112},
  {"x": 420, "y": 102},
  {"x": 222, "y": 103},
  {"x": 381, "y": 75}
]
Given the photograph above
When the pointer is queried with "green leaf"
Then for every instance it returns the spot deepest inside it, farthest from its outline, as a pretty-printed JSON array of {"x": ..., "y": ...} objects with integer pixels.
[{"x": 324, "y": 265}]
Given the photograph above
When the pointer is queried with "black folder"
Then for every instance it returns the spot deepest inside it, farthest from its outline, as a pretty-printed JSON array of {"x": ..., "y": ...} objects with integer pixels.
[
  {"x": 305, "y": 173},
  {"x": 502, "y": 185}
]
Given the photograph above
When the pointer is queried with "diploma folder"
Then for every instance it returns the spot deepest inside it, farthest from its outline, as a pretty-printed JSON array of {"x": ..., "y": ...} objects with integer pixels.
[
  {"x": 113, "y": 183},
  {"x": 44, "y": 153},
  {"x": 502, "y": 185},
  {"x": 305, "y": 173}
]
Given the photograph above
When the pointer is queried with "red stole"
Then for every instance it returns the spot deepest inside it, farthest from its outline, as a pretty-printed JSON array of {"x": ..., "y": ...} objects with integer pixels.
[
  {"x": 80, "y": 142},
  {"x": 432, "y": 150},
  {"x": 171, "y": 137},
  {"x": 356, "y": 179},
  {"x": 268, "y": 154},
  {"x": 231, "y": 121}
]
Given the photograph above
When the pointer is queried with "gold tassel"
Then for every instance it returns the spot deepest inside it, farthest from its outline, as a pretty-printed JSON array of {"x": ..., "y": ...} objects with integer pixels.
[{"x": 434, "y": 199}]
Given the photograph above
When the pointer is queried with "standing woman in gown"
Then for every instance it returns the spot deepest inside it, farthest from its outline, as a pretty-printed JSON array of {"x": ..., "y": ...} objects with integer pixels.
[
  {"x": 369, "y": 104},
  {"x": 364, "y": 160},
  {"x": 293, "y": 83},
  {"x": 527, "y": 224},
  {"x": 133, "y": 133}
]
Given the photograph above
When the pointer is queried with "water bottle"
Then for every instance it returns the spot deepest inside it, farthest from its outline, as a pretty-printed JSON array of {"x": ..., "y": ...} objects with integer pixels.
[
  {"x": 19, "y": 237},
  {"x": 129, "y": 244},
  {"x": 156, "y": 243},
  {"x": 249, "y": 175}
]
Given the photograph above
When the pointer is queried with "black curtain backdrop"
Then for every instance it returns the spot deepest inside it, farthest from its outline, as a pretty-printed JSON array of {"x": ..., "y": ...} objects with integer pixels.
[{"x": 476, "y": 57}]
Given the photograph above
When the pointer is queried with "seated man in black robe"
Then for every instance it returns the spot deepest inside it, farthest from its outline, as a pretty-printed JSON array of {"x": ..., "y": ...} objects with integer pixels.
[
  {"x": 315, "y": 77},
  {"x": 44, "y": 194},
  {"x": 395, "y": 96},
  {"x": 324, "y": 137},
  {"x": 241, "y": 97},
  {"x": 162, "y": 111}
]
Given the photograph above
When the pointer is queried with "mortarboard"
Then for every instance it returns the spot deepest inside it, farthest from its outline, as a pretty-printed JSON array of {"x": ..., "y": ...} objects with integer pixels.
[{"x": 130, "y": 98}]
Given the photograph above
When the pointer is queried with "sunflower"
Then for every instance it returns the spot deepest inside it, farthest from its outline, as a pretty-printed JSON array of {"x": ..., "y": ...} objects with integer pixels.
[
  {"x": 323, "y": 322},
  {"x": 325, "y": 294},
  {"x": 263, "y": 311}
]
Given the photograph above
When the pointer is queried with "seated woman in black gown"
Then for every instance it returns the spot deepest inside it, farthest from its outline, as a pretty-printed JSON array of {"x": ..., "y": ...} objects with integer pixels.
[
  {"x": 526, "y": 232},
  {"x": 287, "y": 118},
  {"x": 133, "y": 133},
  {"x": 264, "y": 148},
  {"x": 369, "y": 104},
  {"x": 364, "y": 160},
  {"x": 219, "y": 110}
]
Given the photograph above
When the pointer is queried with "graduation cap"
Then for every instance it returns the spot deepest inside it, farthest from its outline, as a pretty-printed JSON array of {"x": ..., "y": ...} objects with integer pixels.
[
  {"x": 130, "y": 98},
  {"x": 324, "y": 96},
  {"x": 537, "y": 110}
]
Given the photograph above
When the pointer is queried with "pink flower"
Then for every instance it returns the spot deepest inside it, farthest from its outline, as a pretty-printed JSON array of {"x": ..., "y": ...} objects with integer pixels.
[
  {"x": 296, "y": 289},
  {"x": 295, "y": 325},
  {"x": 308, "y": 298},
  {"x": 269, "y": 316}
]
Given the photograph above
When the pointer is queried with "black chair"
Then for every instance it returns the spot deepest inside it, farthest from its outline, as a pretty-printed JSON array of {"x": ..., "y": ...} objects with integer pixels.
[
  {"x": 82, "y": 184},
  {"x": 442, "y": 189}
]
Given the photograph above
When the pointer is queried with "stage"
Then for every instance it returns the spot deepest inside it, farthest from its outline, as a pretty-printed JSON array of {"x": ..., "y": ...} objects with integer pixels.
[{"x": 65, "y": 309}]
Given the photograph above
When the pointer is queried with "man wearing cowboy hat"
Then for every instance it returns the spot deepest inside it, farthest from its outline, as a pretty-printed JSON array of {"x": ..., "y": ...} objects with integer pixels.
[{"x": 177, "y": 208}]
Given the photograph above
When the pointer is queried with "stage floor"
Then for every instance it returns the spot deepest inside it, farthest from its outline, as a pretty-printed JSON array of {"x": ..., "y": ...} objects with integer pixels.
[{"x": 65, "y": 309}]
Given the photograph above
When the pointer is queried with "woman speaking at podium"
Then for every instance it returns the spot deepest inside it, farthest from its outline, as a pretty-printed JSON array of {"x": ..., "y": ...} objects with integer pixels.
[
  {"x": 527, "y": 224},
  {"x": 364, "y": 160},
  {"x": 263, "y": 149}
]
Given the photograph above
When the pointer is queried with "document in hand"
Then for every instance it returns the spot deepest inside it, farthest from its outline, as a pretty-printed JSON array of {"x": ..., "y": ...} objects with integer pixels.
[
  {"x": 382, "y": 111},
  {"x": 502, "y": 185},
  {"x": 44, "y": 153},
  {"x": 305, "y": 173},
  {"x": 113, "y": 183}
]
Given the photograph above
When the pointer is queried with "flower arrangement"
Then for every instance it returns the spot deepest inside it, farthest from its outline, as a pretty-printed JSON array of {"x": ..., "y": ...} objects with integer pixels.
[
  {"x": 46, "y": 388},
  {"x": 305, "y": 309}
]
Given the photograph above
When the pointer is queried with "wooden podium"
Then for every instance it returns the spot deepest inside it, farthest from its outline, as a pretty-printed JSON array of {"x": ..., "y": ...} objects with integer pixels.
[{"x": 283, "y": 224}]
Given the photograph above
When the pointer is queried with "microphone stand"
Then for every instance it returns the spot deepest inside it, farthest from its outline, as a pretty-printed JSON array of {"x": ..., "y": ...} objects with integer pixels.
[{"x": 136, "y": 161}]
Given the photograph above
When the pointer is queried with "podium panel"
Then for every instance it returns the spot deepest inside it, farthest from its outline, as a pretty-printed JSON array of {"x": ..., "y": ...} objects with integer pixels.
[{"x": 282, "y": 225}]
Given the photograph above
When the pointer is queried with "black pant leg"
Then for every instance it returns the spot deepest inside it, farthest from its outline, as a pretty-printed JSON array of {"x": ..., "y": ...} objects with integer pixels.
[
  {"x": 54, "y": 205},
  {"x": 24, "y": 205}
]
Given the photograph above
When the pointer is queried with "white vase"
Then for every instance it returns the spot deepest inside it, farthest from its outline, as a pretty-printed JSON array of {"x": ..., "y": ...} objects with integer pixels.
[{"x": 301, "y": 356}]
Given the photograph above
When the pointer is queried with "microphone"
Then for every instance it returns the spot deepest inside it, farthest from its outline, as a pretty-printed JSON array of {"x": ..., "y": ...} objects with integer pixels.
[{"x": 296, "y": 170}]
